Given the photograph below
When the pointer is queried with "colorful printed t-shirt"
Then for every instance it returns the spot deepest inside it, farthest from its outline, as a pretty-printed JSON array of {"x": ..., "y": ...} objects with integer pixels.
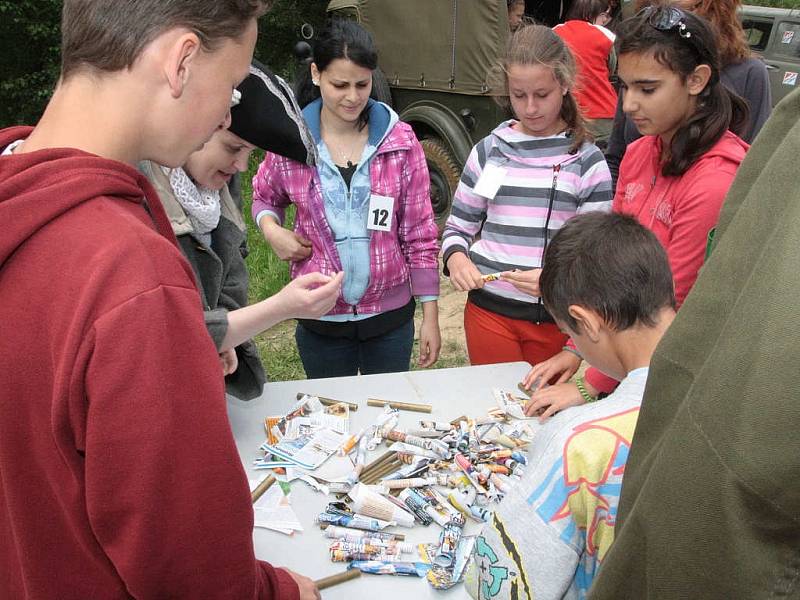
[{"x": 549, "y": 535}]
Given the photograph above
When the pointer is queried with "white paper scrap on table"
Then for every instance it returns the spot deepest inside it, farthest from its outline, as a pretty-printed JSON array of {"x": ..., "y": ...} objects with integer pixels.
[
  {"x": 274, "y": 511},
  {"x": 334, "y": 470}
]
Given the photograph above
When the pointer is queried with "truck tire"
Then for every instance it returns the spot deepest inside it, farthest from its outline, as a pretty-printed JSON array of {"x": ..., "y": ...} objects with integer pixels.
[{"x": 444, "y": 175}]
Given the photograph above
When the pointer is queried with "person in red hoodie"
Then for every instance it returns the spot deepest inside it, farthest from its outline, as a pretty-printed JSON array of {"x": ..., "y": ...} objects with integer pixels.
[
  {"x": 675, "y": 178},
  {"x": 593, "y": 48},
  {"x": 119, "y": 476}
]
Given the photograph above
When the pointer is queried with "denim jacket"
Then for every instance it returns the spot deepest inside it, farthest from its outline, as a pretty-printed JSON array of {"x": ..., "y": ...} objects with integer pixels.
[{"x": 382, "y": 269}]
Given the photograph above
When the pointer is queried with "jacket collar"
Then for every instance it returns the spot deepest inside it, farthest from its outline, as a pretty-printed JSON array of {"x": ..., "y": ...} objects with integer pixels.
[{"x": 382, "y": 120}]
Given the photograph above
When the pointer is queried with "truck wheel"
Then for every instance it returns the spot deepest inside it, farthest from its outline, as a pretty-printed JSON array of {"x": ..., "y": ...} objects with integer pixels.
[{"x": 444, "y": 174}]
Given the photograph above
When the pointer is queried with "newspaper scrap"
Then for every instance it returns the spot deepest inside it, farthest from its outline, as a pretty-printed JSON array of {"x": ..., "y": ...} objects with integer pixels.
[{"x": 274, "y": 511}]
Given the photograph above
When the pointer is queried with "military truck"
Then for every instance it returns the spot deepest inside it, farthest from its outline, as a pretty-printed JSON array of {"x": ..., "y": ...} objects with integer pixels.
[{"x": 774, "y": 34}]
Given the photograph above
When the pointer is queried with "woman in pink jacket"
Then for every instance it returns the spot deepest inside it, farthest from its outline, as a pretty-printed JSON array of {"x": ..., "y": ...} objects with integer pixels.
[
  {"x": 363, "y": 208},
  {"x": 674, "y": 179}
]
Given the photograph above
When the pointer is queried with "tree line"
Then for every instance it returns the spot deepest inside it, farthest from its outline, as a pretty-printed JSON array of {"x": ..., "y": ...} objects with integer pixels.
[
  {"x": 30, "y": 38},
  {"x": 30, "y": 56}
]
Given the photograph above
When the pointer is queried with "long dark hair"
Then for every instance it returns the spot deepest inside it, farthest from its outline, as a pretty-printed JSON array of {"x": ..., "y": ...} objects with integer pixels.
[
  {"x": 341, "y": 38},
  {"x": 718, "y": 109}
]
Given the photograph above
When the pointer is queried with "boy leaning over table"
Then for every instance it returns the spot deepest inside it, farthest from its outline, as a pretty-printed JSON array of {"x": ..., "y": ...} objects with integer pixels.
[
  {"x": 607, "y": 283},
  {"x": 119, "y": 476}
]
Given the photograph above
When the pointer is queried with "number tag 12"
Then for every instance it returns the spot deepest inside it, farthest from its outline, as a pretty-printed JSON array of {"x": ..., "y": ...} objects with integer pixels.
[{"x": 381, "y": 211}]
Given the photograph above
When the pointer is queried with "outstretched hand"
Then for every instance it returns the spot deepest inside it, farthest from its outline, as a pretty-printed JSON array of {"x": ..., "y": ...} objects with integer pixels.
[
  {"x": 526, "y": 282},
  {"x": 311, "y": 295}
]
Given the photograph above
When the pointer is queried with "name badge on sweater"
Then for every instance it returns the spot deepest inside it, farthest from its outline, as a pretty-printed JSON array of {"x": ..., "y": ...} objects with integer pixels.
[
  {"x": 490, "y": 181},
  {"x": 381, "y": 210}
]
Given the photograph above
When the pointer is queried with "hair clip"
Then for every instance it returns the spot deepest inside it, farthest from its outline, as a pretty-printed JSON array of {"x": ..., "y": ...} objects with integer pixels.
[{"x": 683, "y": 31}]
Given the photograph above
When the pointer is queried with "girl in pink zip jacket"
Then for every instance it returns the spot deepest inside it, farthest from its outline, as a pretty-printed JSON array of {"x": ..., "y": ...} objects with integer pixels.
[
  {"x": 675, "y": 178},
  {"x": 363, "y": 208}
]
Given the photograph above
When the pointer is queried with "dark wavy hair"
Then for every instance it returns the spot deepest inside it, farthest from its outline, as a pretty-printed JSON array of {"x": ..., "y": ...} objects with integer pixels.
[
  {"x": 586, "y": 10},
  {"x": 718, "y": 109},
  {"x": 342, "y": 38}
]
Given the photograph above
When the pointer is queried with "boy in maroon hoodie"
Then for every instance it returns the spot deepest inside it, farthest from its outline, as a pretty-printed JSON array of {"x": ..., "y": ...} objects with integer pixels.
[{"x": 119, "y": 476}]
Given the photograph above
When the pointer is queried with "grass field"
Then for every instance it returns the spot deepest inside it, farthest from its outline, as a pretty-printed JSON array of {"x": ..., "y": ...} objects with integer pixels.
[{"x": 268, "y": 274}]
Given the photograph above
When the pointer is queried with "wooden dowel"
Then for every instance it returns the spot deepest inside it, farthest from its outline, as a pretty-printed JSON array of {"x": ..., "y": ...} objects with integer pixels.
[
  {"x": 424, "y": 408},
  {"x": 262, "y": 487},
  {"x": 327, "y": 582},
  {"x": 329, "y": 401}
]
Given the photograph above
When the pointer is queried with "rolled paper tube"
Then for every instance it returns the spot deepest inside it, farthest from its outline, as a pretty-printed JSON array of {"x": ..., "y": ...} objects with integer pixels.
[
  {"x": 329, "y": 401},
  {"x": 490, "y": 277},
  {"x": 262, "y": 487},
  {"x": 383, "y": 458},
  {"x": 380, "y": 471},
  {"x": 425, "y": 408},
  {"x": 378, "y": 474},
  {"x": 327, "y": 582}
]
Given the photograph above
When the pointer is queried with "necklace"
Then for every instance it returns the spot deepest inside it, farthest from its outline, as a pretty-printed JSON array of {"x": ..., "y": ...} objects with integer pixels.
[{"x": 346, "y": 153}]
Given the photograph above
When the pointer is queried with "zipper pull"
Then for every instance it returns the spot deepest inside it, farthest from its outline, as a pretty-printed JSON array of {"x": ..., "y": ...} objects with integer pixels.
[{"x": 355, "y": 310}]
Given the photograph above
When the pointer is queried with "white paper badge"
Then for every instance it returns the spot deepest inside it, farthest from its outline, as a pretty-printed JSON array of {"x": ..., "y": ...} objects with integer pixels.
[
  {"x": 490, "y": 180},
  {"x": 381, "y": 211},
  {"x": 790, "y": 78}
]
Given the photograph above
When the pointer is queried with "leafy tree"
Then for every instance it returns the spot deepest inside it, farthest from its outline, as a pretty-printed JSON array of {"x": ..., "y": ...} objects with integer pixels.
[
  {"x": 29, "y": 58},
  {"x": 30, "y": 54},
  {"x": 280, "y": 30}
]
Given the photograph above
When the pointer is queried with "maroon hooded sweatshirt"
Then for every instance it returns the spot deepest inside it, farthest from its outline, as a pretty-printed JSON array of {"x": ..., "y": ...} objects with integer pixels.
[{"x": 119, "y": 476}]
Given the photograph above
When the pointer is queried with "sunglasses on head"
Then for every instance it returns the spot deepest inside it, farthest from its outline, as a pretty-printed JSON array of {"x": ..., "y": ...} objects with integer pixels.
[{"x": 666, "y": 18}]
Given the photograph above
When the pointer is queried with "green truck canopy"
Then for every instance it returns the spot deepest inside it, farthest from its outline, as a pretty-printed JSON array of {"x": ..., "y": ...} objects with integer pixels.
[{"x": 444, "y": 45}]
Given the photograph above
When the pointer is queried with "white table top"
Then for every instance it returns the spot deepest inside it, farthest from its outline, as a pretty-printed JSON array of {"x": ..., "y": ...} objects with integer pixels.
[{"x": 452, "y": 392}]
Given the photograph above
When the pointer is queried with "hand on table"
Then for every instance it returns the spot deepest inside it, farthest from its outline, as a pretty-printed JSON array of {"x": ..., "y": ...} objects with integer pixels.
[
  {"x": 464, "y": 275},
  {"x": 526, "y": 282},
  {"x": 563, "y": 365},
  {"x": 553, "y": 399}
]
